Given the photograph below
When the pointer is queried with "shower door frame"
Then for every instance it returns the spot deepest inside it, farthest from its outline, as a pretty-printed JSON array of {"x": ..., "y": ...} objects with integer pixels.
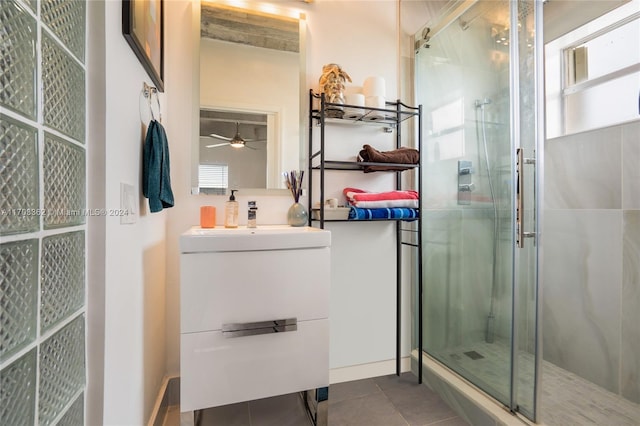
[
  {"x": 519, "y": 152},
  {"x": 535, "y": 159}
]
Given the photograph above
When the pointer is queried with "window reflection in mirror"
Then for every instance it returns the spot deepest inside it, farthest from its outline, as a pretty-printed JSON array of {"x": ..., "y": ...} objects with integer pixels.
[
  {"x": 233, "y": 151},
  {"x": 249, "y": 68}
]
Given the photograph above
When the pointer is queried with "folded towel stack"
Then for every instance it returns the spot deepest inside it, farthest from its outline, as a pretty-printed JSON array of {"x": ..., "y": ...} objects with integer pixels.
[
  {"x": 390, "y": 199},
  {"x": 402, "y": 157},
  {"x": 395, "y": 213},
  {"x": 382, "y": 205}
]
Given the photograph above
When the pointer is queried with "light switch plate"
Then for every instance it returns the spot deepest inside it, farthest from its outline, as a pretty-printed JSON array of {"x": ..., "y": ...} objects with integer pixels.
[{"x": 128, "y": 204}]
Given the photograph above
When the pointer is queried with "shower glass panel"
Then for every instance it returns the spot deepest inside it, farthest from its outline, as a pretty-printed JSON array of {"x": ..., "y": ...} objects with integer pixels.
[
  {"x": 479, "y": 289},
  {"x": 527, "y": 128}
]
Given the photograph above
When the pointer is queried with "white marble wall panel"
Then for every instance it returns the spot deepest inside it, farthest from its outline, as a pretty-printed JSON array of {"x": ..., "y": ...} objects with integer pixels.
[
  {"x": 526, "y": 286},
  {"x": 582, "y": 288},
  {"x": 442, "y": 257},
  {"x": 630, "y": 351},
  {"x": 583, "y": 171},
  {"x": 477, "y": 267},
  {"x": 631, "y": 166},
  {"x": 440, "y": 182},
  {"x": 458, "y": 287}
]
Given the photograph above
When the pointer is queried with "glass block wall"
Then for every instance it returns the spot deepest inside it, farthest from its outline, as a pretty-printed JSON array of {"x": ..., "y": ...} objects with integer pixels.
[{"x": 42, "y": 211}]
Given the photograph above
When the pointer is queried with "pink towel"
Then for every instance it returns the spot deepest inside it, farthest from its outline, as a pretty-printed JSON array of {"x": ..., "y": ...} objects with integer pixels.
[{"x": 372, "y": 200}]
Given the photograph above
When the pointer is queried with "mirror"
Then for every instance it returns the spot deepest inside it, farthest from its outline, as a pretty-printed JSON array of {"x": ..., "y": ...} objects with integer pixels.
[{"x": 250, "y": 89}]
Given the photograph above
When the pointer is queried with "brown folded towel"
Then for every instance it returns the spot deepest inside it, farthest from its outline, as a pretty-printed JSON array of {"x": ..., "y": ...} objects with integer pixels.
[{"x": 397, "y": 156}]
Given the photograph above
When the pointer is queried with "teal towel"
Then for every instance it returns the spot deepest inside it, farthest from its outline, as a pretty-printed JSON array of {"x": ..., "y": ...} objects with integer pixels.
[{"x": 156, "y": 181}]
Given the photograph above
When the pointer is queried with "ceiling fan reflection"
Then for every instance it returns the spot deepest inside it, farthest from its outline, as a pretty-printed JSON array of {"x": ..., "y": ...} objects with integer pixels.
[{"x": 236, "y": 142}]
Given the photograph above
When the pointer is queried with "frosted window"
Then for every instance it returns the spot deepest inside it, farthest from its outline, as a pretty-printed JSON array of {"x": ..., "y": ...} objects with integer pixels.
[
  {"x": 592, "y": 74},
  {"x": 42, "y": 187},
  {"x": 614, "y": 50}
]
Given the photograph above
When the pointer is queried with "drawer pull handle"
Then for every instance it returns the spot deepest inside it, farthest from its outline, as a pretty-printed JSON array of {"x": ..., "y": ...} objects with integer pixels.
[{"x": 261, "y": 327}]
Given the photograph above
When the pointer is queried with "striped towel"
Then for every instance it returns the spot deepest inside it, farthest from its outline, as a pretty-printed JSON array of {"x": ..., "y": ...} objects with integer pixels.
[{"x": 356, "y": 213}]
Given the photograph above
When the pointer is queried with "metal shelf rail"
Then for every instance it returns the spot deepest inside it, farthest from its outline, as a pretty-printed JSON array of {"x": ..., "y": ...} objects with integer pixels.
[{"x": 395, "y": 113}]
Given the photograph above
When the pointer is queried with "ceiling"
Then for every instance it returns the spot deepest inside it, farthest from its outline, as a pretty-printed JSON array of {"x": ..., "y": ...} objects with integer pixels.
[
  {"x": 223, "y": 123},
  {"x": 562, "y": 16},
  {"x": 250, "y": 28}
]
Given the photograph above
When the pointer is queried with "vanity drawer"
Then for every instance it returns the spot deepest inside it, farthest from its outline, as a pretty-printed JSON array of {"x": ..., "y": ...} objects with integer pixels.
[
  {"x": 238, "y": 287},
  {"x": 217, "y": 370}
]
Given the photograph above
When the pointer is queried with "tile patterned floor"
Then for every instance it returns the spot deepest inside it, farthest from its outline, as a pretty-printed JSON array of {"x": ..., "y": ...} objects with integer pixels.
[
  {"x": 381, "y": 401},
  {"x": 567, "y": 399}
]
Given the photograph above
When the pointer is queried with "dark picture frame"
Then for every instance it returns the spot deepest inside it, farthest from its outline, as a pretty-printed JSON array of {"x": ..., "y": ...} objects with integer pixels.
[{"x": 143, "y": 28}]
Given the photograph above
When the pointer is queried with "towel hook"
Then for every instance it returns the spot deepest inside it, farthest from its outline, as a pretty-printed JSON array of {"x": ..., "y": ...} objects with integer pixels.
[{"x": 148, "y": 92}]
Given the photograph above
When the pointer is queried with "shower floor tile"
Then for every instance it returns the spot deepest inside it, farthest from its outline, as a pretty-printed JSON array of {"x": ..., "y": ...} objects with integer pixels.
[
  {"x": 380, "y": 401},
  {"x": 567, "y": 399}
]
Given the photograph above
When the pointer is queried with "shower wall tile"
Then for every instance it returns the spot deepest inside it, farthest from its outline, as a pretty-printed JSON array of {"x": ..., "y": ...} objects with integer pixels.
[
  {"x": 63, "y": 91},
  {"x": 582, "y": 171},
  {"x": 67, "y": 21},
  {"x": 19, "y": 177},
  {"x": 62, "y": 367},
  {"x": 477, "y": 270},
  {"x": 527, "y": 284},
  {"x": 630, "y": 360},
  {"x": 18, "y": 391},
  {"x": 630, "y": 169},
  {"x": 64, "y": 183},
  {"x": 441, "y": 239},
  {"x": 18, "y": 61},
  {"x": 19, "y": 297},
  {"x": 582, "y": 292},
  {"x": 442, "y": 178},
  {"x": 62, "y": 277}
]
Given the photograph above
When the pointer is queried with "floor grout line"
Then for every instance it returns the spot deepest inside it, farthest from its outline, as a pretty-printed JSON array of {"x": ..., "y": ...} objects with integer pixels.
[
  {"x": 441, "y": 421},
  {"x": 387, "y": 387}
]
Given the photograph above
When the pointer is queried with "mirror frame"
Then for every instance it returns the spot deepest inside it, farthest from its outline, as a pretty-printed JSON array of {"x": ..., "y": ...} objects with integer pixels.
[{"x": 245, "y": 106}]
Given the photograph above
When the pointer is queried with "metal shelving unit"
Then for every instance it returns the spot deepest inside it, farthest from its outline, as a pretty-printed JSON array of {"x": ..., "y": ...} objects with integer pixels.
[{"x": 394, "y": 114}]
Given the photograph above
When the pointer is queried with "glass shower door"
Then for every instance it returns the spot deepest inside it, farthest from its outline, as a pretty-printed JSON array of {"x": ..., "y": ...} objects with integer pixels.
[{"x": 475, "y": 80}]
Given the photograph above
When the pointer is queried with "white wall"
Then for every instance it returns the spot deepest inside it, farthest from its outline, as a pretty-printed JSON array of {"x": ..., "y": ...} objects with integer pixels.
[
  {"x": 134, "y": 255},
  {"x": 141, "y": 260},
  {"x": 96, "y": 225},
  {"x": 363, "y": 255},
  {"x": 362, "y": 311}
]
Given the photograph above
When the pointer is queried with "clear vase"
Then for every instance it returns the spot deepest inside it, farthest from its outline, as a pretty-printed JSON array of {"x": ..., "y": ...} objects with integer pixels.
[{"x": 297, "y": 215}]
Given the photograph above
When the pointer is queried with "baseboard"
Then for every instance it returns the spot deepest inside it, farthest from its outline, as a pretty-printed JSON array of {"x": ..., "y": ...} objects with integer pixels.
[
  {"x": 365, "y": 371},
  {"x": 169, "y": 394}
]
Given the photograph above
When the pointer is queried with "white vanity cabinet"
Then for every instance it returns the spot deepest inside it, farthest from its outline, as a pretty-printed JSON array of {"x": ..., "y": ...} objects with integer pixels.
[{"x": 254, "y": 313}]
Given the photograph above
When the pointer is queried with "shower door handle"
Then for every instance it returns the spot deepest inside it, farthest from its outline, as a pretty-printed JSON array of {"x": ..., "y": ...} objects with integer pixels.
[
  {"x": 520, "y": 232},
  {"x": 520, "y": 198}
]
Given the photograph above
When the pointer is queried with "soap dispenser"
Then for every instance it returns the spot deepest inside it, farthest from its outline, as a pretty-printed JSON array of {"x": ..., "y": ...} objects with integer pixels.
[{"x": 231, "y": 211}]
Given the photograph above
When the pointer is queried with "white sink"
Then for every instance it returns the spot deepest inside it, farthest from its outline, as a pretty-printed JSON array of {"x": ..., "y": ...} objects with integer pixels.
[{"x": 266, "y": 237}]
